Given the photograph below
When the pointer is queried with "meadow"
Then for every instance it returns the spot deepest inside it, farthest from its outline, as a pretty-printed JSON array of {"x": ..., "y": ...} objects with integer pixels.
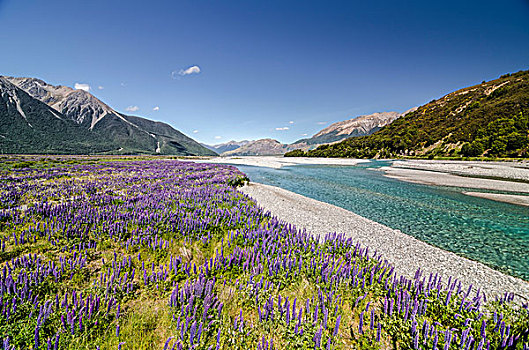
[{"x": 132, "y": 253}]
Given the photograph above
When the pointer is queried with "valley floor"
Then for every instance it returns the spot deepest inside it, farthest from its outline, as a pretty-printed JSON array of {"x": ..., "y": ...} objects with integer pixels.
[
  {"x": 406, "y": 253},
  {"x": 277, "y": 162}
]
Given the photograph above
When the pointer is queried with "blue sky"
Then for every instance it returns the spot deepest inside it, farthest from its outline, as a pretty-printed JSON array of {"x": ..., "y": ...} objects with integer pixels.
[{"x": 279, "y": 69}]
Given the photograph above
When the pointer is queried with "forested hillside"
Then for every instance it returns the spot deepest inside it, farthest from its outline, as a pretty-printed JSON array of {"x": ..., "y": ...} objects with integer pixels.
[{"x": 489, "y": 119}]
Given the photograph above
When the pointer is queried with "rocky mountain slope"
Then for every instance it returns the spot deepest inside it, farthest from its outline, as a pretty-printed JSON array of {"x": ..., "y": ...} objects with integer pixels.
[
  {"x": 227, "y": 146},
  {"x": 28, "y": 125},
  {"x": 118, "y": 133},
  {"x": 488, "y": 119},
  {"x": 362, "y": 125},
  {"x": 262, "y": 147},
  {"x": 359, "y": 126}
]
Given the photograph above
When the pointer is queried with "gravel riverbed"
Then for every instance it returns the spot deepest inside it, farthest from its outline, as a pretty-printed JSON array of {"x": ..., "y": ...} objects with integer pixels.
[
  {"x": 518, "y": 171},
  {"x": 406, "y": 253}
]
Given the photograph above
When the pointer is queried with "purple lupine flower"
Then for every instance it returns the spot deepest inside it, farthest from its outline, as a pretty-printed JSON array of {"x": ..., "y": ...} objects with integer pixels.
[
  {"x": 448, "y": 340},
  {"x": 36, "y": 337},
  {"x": 167, "y": 343},
  {"x": 337, "y": 325},
  {"x": 192, "y": 332},
  {"x": 317, "y": 338},
  {"x": 199, "y": 333}
]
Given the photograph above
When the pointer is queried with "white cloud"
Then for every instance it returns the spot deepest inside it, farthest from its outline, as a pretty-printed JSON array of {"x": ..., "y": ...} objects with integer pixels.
[
  {"x": 80, "y": 86},
  {"x": 321, "y": 123},
  {"x": 195, "y": 131},
  {"x": 187, "y": 71},
  {"x": 190, "y": 70},
  {"x": 218, "y": 137},
  {"x": 132, "y": 108},
  {"x": 100, "y": 87},
  {"x": 291, "y": 122},
  {"x": 156, "y": 108},
  {"x": 304, "y": 134},
  {"x": 283, "y": 128},
  {"x": 122, "y": 84}
]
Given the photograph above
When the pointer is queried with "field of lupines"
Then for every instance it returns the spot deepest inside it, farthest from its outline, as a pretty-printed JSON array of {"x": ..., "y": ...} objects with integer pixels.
[{"x": 162, "y": 254}]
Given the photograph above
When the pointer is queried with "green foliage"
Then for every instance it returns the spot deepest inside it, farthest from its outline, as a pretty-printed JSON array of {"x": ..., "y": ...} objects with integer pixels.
[
  {"x": 238, "y": 181},
  {"x": 296, "y": 153},
  {"x": 473, "y": 149},
  {"x": 489, "y": 119}
]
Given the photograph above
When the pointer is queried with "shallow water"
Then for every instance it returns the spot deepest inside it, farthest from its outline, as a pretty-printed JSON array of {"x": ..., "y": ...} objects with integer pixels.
[{"x": 493, "y": 233}]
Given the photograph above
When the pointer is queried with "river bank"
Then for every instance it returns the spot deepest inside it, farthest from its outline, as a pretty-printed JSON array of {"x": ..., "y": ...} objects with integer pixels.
[
  {"x": 406, "y": 253},
  {"x": 277, "y": 162},
  {"x": 512, "y": 177}
]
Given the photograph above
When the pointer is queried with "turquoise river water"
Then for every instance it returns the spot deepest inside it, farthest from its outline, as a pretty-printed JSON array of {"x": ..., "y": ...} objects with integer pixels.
[{"x": 494, "y": 233}]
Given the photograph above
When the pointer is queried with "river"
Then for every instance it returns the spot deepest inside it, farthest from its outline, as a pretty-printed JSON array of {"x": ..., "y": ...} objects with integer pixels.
[{"x": 494, "y": 233}]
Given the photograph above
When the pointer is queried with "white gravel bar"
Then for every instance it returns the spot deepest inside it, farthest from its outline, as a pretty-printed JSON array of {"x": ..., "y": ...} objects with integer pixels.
[
  {"x": 448, "y": 179},
  {"x": 278, "y": 162},
  {"x": 406, "y": 253},
  {"x": 506, "y": 198},
  {"x": 504, "y": 170}
]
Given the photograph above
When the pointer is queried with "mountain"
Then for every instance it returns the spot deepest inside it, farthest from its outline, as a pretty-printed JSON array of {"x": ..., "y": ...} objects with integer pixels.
[
  {"x": 119, "y": 133},
  {"x": 359, "y": 126},
  {"x": 488, "y": 119},
  {"x": 227, "y": 146},
  {"x": 170, "y": 140},
  {"x": 28, "y": 125},
  {"x": 362, "y": 125},
  {"x": 262, "y": 147}
]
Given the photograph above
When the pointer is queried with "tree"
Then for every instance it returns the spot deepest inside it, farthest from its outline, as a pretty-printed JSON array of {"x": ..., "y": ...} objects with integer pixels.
[
  {"x": 473, "y": 149},
  {"x": 499, "y": 146}
]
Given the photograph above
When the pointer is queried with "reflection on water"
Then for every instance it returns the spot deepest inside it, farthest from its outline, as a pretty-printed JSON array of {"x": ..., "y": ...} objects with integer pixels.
[{"x": 494, "y": 233}]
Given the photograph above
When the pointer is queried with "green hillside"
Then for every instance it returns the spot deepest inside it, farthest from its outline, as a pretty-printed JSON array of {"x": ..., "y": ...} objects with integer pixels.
[{"x": 489, "y": 119}]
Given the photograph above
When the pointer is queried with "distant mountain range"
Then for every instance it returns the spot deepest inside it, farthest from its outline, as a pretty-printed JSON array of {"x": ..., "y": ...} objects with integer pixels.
[
  {"x": 488, "y": 119},
  {"x": 359, "y": 126},
  {"x": 262, "y": 147},
  {"x": 36, "y": 117},
  {"x": 227, "y": 146}
]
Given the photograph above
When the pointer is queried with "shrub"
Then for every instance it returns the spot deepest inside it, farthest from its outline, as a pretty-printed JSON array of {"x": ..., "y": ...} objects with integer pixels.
[{"x": 296, "y": 153}]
